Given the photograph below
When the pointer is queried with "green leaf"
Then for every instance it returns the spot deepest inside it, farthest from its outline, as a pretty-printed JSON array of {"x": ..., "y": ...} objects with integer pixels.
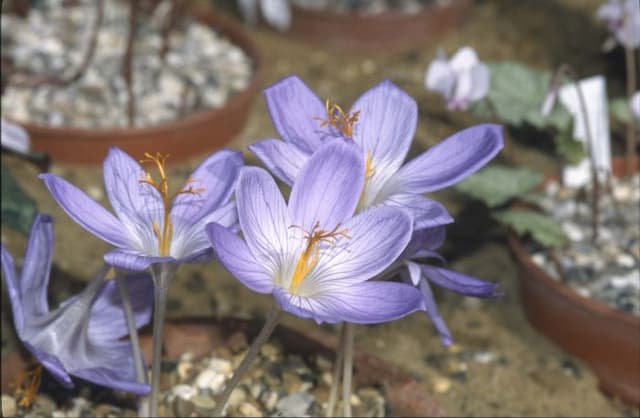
[
  {"x": 543, "y": 229},
  {"x": 568, "y": 148},
  {"x": 18, "y": 209},
  {"x": 497, "y": 184},
  {"x": 516, "y": 95},
  {"x": 619, "y": 109}
]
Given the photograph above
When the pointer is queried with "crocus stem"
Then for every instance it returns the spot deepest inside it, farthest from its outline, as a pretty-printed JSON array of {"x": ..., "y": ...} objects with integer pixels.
[
  {"x": 337, "y": 368},
  {"x": 630, "y": 59},
  {"x": 347, "y": 371},
  {"x": 270, "y": 324},
  {"x": 141, "y": 376},
  {"x": 162, "y": 275}
]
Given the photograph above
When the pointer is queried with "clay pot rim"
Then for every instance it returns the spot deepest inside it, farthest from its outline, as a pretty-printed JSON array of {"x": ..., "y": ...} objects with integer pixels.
[
  {"x": 593, "y": 306},
  {"x": 224, "y": 26}
]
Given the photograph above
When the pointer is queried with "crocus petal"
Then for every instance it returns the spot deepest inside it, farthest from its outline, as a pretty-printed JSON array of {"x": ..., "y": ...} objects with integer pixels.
[
  {"x": 235, "y": 256},
  {"x": 34, "y": 278},
  {"x": 133, "y": 260},
  {"x": 425, "y": 239},
  {"x": 263, "y": 215},
  {"x": 295, "y": 111},
  {"x": 216, "y": 176},
  {"x": 282, "y": 159},
  {"x": 387, "y": 123},
  {"x": 461, "y": 283},
  {"x": 426, "y": 213},
  {"x": 414, "y": 272},
  {"x": 463, "y": 60},
  {"x": 328, "y": 187},
  {"x": 11, "y": 279},
  {"x": 362, "y": 303},
  {"x": 52, "y": 364},
  {"x": 277, "y": 13},
  {"x": 448, "y": 162},
  {"x": 14, "y": 137},
  {"x": 440, "y": 77},
  {"x": 86, "y": 212},
  {"x": 107, "y": 320},
  {"x": 376, "y": 238},
  {"x": 434, "y": 314},
  {"x": 191, "y": 242},
  {"x": 137, "y": 205},
  {"x": 119, "y": 371}
]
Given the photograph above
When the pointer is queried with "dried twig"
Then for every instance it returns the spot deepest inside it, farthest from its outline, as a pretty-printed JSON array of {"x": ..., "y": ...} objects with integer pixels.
[
  {"x": 33, "y": 80},
  {"x": 127, "y": 61}
]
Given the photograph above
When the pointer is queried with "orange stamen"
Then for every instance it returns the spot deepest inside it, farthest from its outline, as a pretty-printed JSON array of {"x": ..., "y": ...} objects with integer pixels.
[
  {"x": 28, "y": 383},
  {"x": 164, "y": 236},
  {"x": 336, "y": 117},
  {"x": 309, "y": 257}
]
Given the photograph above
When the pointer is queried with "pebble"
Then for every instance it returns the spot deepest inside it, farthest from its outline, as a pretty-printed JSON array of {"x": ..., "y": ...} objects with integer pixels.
[
  {"x": 295, "y": 404},
  {"x": 9, "y": 406},
  {"x": 203, "y": 405},
  {"x": 209, "y": 379},
  {"x": 247, "y": 409},
  {"x": 441, "y": 384}
]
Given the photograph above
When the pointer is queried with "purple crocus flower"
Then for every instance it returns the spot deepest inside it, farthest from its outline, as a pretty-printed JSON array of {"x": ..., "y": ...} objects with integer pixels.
[
  {"x": 312, "y": 254},
  {"x": 82, "y": 336},
  {"x": 382, "y": 124},
  {"x": 461, "y": 80},
  {"x": 423, "y": 245},
  {"x": 623, "y": 20},
  {"x": 152, "y": 226}
]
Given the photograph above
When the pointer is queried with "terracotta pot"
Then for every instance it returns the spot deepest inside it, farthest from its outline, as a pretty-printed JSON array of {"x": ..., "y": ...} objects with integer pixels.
[
  {"x": 405, "y": 395},
  {"x": 607, "y": 339},
  {"x": 197, "y": 133},
  {"x": 385, "y": 32}
]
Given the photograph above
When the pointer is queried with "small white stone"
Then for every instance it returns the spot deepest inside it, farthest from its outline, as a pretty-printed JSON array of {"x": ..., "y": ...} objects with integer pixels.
[
  {"x": 484, "y": 357},
  {"x": 221, "y": 366},
  {"x": 185, "y": 392},
  {"x": 9, "y": 406},
  {"x": 208, "y": 378},
  {"x": 625, "y": 260},
  {"x": 539, "y": 259},
  {"x": 573, "y": 231},
  {"x": 583, "y": 291}
]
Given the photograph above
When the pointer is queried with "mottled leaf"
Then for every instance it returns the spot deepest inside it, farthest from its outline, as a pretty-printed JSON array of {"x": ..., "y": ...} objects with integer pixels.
[
  {"x": 18, "y": 209},
  {"x": 543, "y": 229},
  {"x": 516, "y": 95},
  {"x": 497, "y": 184}
]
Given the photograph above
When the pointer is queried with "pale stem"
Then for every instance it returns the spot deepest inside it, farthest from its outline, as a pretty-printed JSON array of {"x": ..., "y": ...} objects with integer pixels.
[
  {"x": 347, "y": 372},
  {"x": 141, "y": 376},
  {"x": 270, "y": 324},
  {"x": 337, "y": 368},
  {"x": 592, "y": 159},
  {"x": 162, "y": 275},
  {"x": 630, "y": 59}
]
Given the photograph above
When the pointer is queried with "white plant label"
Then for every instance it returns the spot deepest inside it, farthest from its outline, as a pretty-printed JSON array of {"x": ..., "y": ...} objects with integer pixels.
[{"x": 594, "y": 91}]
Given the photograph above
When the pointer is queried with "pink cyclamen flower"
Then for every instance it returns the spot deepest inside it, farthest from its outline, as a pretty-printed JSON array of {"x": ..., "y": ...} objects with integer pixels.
[
  {"x": 634, "y": 104},
  {"x": 462, "y": 80},
  {"x": 623, "y": 20}
]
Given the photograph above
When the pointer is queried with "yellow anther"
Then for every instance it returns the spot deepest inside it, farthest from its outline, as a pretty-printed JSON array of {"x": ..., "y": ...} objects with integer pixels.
[
  {"x": 336, "y": 117},
  {"x": 162, "y": 186},
  {"x": 369, "y": 169},
  {"x": 27, "y": 386},
  {"x": 309, "y": 257}
]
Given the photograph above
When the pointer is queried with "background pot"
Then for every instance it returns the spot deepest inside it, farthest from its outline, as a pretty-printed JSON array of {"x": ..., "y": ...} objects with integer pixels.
[
  {"x": 196, "y": 133},
  {"x": 607, "y": 339},
  {"x": 385, "y": 32}
]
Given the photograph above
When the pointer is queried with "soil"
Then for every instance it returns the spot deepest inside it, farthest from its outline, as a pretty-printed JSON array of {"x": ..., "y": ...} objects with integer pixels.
[{"x": 526, "y": 374}]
